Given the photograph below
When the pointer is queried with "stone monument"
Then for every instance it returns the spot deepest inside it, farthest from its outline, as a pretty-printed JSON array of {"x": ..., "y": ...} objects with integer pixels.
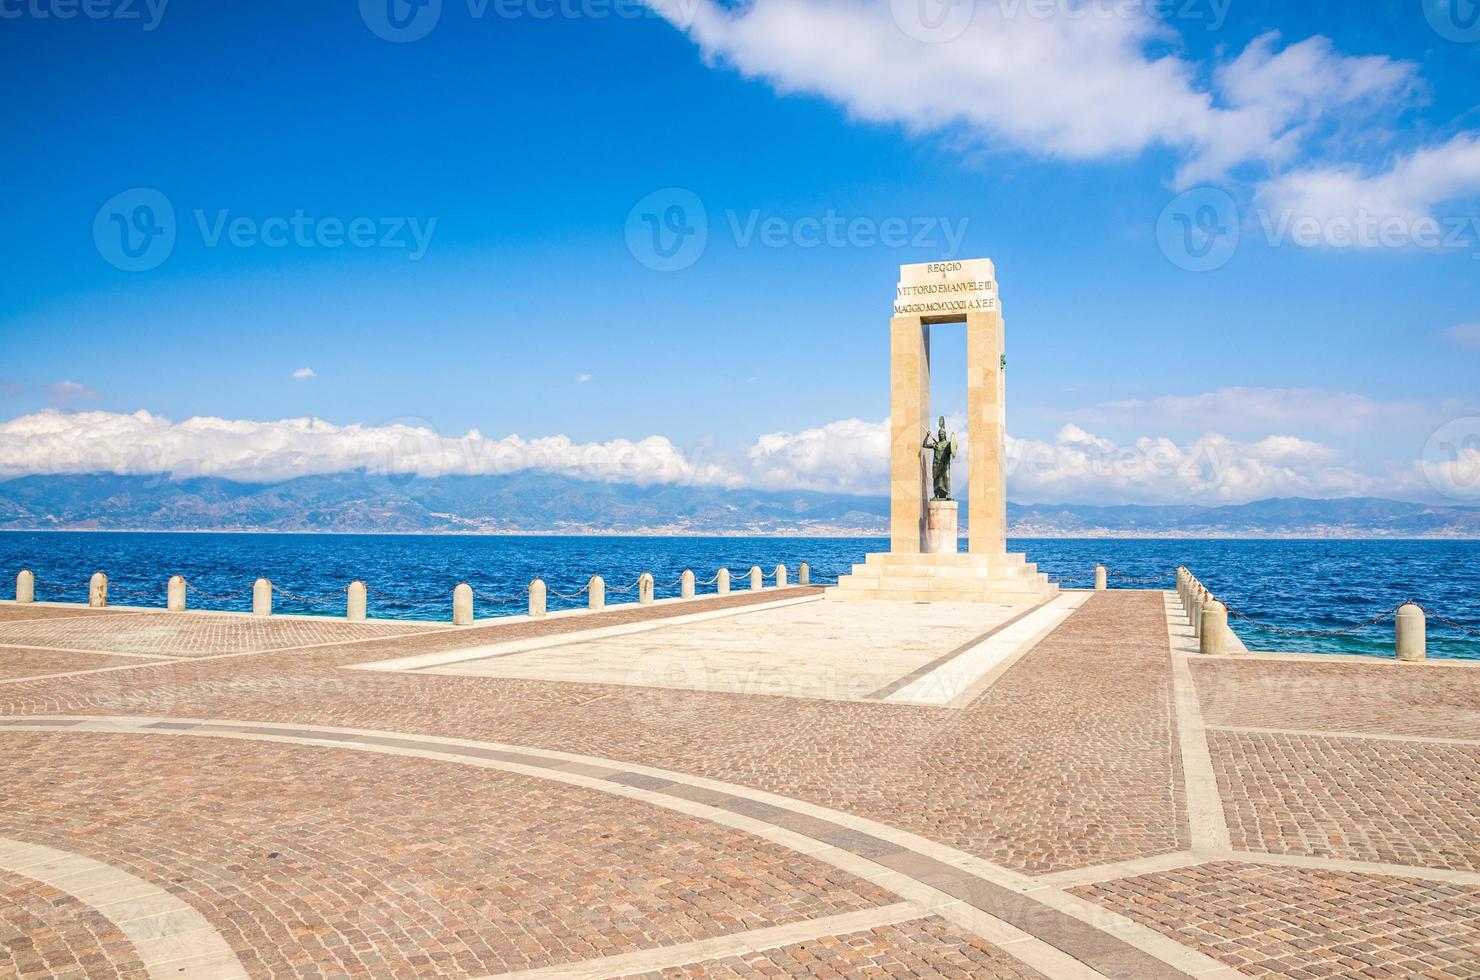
[{"x": 923, "y": 563}]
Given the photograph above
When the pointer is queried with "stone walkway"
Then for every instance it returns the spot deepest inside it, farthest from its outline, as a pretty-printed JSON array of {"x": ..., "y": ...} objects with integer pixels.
[{"x": 195, "y": 795}]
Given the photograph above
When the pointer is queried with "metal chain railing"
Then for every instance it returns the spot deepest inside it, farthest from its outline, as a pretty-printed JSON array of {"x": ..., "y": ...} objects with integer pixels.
[
  {"x": 398, "y": 600},
  {"x": 620, "y": 589},
  {"x": 737, "y": 577},
  {"x": 219, "y": 598},
  {"x": 572, "y": 595},
  {"x": 1287, "y": 631},
  {"x": 1448, "y": 622},
  {"x": 495, "y": 601},
  {"x": 307, "y": 600},
  {"x": 144, "y": 593},
  {"x": 1152, "y": 580}
]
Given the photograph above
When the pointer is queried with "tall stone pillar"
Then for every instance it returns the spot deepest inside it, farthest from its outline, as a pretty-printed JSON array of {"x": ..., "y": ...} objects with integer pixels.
[
  {"x": 909, "y": 406},
  {"x": 986, "y": 424}
]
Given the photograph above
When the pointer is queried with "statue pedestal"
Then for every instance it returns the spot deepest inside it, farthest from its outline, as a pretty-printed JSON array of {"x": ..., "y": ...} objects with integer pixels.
[{"x": 941, "y": 530}]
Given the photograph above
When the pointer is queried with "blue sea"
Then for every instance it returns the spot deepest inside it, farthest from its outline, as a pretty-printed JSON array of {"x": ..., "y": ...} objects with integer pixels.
[{"x": 1293, "y": 584}]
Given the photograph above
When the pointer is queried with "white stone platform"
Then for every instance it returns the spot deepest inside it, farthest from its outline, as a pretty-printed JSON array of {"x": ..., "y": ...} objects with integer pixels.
[
  {"x": 808, "y": 648},
  {"x": 1003, "y": 578}
]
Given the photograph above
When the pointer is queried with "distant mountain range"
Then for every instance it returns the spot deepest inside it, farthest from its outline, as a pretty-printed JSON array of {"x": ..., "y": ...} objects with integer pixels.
[{"x": 544, "y": 503}]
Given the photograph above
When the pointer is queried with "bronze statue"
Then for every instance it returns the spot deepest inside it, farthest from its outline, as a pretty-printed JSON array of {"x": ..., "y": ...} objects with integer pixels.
[{"x": 944, "y": 446}]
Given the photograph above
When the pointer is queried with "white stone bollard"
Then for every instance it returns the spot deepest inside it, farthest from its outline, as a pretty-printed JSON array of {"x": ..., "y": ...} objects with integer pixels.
[
  {"x": 1411, "y": 633},
  {"x": 645, "y": 589},
  {"x": 804, "y": 574},
  {"x": 686, "y": 584},
  {"x": 538, "y": 598},
  {"x": 722, "y": 582},
  {"x": 780, "y": 576},
  {"x": 175, "y": 594},
  {"x": 262, "y": 598},
  {"x": 357, "y": 598},
  {"x": 97, "y": 591},
  {"x": 25, "y": 586},
  {"x": 1214, "y": 638},
  {"x": 596, "y": 597},
  {"x": 1102, "y": 578},
  {"x": 1194, "y": 612},
  {"x": 757, "y": 580},
  {"x": 462, "y": 605}
]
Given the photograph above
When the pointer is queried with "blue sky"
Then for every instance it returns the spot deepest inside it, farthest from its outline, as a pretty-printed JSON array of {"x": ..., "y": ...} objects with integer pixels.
[{"x": 1055, "y": 137}]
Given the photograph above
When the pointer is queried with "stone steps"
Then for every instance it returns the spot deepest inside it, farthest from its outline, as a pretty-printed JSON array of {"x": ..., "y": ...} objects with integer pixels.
[
  {"x": 856, "y": 593},
  {"x": 996, "y": 578}
]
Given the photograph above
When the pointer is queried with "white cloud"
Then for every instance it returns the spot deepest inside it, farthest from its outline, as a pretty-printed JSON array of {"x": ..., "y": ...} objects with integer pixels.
[
  {"x": 66, "y": 393},
  {"x": 582, "y": 378},
  {"x": 1068, "y": 79},
  {"x": 1078, "y": 466},
  {"x": 1397, "y": 207},
  {"x": 1273, "y": 97},
  {"x": 848, "y": 456},
  {"x": 305, "y": 372},
  {"x": 142, "y": 443},
  {"x": 1242, "y": 409},
  {"x": 1463, "y": 335}
]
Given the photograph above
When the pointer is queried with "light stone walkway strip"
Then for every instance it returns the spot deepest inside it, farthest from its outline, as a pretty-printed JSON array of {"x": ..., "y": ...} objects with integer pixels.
[
  {"x": 1317, "y": 733},
  {"x": 1075, "y": 877},
  {"x": 719, "y": 947},
  {"x": 1357, "y": 867},
  {"x": 1052, "y": 931},
  {"x": 170, "y": 938},
  {"x": 94, "y": 653},
  {"x": 1205, "y": 817},
  {"x": 921, "y": 671},
  {"x": 508, "y": 648},
  {"x": 947, "y": 683}
]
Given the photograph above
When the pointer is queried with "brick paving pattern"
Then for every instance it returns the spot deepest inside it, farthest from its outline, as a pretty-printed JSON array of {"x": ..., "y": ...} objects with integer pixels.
[
  {"x": 177, "y": 635},
  {"x": 1068, "y": 760},
  {"x": 1362, "y": 800},
  {"x": 15, "y": 664},
  {"x": 322, "y": 861},
  {"x": 48, "y": 933},
  {"x": 12, "y": 613},
  {"x": 471, "y": 869},
  {"x": 924, "y": 948},
  {"x": 1384, "y": 698},
  {"x": 1303, "y": 922}
]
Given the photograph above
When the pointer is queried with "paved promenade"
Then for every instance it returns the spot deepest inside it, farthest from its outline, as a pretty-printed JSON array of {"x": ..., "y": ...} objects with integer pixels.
[{"x": 762, "y": 785}]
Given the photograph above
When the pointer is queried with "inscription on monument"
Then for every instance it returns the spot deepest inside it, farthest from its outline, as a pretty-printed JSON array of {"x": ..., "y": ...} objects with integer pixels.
[{"x": 946, "y": 288}]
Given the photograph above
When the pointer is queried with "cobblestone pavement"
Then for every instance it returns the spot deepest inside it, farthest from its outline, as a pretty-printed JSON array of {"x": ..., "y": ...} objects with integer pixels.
[
  {"x": 1305, "y": 922},
  {"x": 175, "y": 635},
  {"x": 48, "y": 933},
  {"x": 285, "y": 843},
  {"x": 1359, "y": 799},
  {"x": 1440, "y": 700},
  {"x": 12, "y": 613},
  {"x": 923, "y": 948},
  {"x": 21, "y": 663},
  {"x": 1056, "y": 807}
]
